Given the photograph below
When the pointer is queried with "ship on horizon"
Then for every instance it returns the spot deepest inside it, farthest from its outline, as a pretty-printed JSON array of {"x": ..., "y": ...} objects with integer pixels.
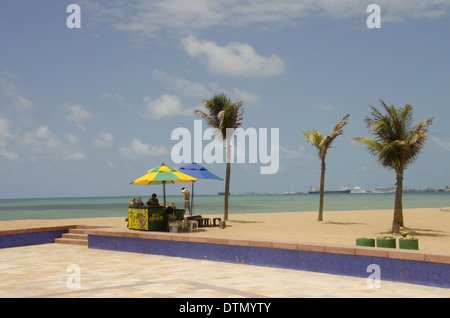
[
  {"x": 356, "y": 189},
  {"x": 383, "y": 190},
  {"x": 315, "y": 190}
]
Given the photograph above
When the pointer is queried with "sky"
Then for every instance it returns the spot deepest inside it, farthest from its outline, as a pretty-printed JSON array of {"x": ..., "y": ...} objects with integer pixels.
[{"x": 86, "y": 110}]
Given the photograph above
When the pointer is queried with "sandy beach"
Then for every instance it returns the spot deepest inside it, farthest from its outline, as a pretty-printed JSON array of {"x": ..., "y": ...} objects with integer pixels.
[{"x": 431, "y": 226}]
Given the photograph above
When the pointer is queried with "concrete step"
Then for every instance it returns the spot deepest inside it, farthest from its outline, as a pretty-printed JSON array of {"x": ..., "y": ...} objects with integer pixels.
[
  {"x": 75, "y": 236},
  {"x": 77, "y": 231},
  {"x": 71, "y": 241}
]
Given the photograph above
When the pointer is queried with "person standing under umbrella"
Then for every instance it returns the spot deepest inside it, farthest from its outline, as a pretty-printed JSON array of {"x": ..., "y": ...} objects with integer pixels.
[{"x": 187, "y": 197}]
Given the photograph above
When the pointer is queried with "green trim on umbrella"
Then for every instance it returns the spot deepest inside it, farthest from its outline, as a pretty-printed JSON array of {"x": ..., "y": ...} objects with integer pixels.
[
  {"x": 165, "y": 176},
  {"x": 157, "y": 169}
]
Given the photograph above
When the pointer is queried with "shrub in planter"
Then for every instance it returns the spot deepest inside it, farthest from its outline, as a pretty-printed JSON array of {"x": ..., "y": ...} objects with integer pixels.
[
  {"x": 386, "y": 241},
  {"x": 408, "y": 242},
  {"x": 363, "y": 241}
]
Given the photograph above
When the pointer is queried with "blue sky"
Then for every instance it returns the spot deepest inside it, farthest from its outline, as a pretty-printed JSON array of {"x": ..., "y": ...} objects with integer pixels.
[{"x": 85, "y": 111}]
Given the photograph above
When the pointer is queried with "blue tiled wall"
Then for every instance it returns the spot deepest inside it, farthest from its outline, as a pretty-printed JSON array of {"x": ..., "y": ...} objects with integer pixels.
[
  {"x": 408, "y": 271},
  {"x": 22, "y": 239}
]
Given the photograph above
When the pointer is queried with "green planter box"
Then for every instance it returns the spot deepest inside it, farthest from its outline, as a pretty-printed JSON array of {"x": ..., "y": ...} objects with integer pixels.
[
  {"x": 362, "y": 241},
  {"x": 408, "y": 244},
  {"x": 388, "y": 242}
]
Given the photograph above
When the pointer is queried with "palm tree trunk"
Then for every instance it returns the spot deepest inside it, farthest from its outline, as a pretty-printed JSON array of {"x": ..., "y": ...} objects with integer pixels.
[
  {"x": 322, "y": 190},
  {"x": 227, "y": 190},
  {"x": 398, "y": 207},
  {"x": 227, "y": 181}
]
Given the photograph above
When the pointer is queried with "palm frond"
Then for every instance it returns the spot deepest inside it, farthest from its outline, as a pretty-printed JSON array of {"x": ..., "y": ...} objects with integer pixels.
[
  {"x": 324, "y": 143},
  {"x": 422, "y": 126},
  {"x": 392, "y": 154},
  {"x": 372, "y": 146},
  {"x": 314, "y": 137},
  {"x": 397, "y": 143},
  {"x": 344, "y": 121},
  {"x": 327, "y": 141},
  {"x": 223, "y": 113},
  {"x": 212, "y": 122}
]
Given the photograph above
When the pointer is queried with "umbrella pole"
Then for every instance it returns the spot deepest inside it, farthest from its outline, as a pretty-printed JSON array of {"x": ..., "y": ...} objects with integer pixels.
[
  {"x": 164, "y": 193},
  {"x": 192, "y": 201}
]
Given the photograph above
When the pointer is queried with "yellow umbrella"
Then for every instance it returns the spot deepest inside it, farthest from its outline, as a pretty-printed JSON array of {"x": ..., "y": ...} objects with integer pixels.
[{"x": 162, "y": 175}]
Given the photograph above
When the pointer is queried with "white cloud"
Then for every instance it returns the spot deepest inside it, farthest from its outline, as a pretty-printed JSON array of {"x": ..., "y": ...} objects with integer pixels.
[
  {"x": 108, "y": 96},
  {"x": 13, "y": 94},
  {"x": 46, "y": 138},
  {"x": 76, "y": 114},
  {"x": 152, "y": 18},
  {"x": 324, "y": 106},
  {"x": 72, "y": 138},
  {"x": 183, "y": 86},
  {"x": 75, "y": 156},
  {"x": 9, "y": 154},
  {"x": 34, "y": 145},
  {"x": 110, "y": 164},
  {"x": 104, "y": 140},
  {"x": 5, "y": 133},
  {"x": 235, "y": 59},
  {"x": 292, "y": 153},
  {"x": 246, "y": 96},
  {"x": 401, "y": 10},
  {"x": 199, "y": 91},
  {"x": 441, "y": 143},
  {"x": 165, "y": 105},
  {"x": 139, "y": 149},
  {"x": 38, "y": 141},
  {"x": 116, "y": 97}
]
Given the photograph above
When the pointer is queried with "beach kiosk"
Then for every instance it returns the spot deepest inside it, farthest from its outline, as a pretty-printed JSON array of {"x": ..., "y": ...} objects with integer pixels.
[
  {"x": 156, "y": 218},
  {"x": 152, "y": 218},
  {"x": 147, "y": 218}
]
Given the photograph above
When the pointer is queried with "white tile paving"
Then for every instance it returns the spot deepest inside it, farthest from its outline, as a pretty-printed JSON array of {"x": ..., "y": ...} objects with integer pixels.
[{"x": 41, "y": 271}]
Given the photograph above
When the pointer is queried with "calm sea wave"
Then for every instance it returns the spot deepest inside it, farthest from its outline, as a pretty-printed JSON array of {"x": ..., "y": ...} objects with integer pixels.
[{"x": 64, "y": 208}]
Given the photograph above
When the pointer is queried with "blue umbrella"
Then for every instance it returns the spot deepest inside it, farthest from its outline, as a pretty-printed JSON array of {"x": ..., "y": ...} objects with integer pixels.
[{"x": 199, "y": 172}]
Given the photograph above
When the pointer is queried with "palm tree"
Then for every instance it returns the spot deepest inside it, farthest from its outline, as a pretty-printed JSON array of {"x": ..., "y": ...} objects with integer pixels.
[
  {"x": 397, "y": 143},
  {"x": 223, "y": 115},
  {"x": 322, "y": 144}
]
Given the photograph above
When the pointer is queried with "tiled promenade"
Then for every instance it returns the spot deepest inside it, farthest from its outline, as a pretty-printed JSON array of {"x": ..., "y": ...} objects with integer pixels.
[{"x": 42, "y": 271}]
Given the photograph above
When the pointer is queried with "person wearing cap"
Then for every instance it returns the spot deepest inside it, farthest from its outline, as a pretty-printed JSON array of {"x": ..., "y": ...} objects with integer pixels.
[{"x": 187, "y": 202}]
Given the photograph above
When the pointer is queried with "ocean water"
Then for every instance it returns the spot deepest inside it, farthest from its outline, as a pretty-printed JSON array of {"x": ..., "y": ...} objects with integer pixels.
[{"x": 94, "y": 207}]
